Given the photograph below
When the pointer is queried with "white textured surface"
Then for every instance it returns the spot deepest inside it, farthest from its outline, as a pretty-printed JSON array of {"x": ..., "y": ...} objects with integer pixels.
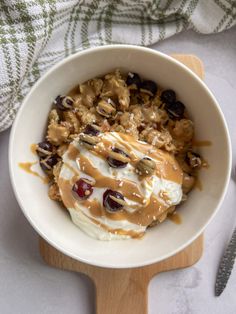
[{"x": 29, "y": 286}]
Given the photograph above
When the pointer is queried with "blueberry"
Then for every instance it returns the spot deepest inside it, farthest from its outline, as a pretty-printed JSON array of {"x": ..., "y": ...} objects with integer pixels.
[
  {"x": 149, "y": 87},
  {"x": 48, "y": 162},
  {"x": 113, "y": 201},
  {"x": 64, "y": 103},
  {"x": 134, "y": 80},
  {"x": 82, "y": 188},
  {"x": 168, "y": 96},
  {"x": 92, "y": 129},
  {"x": 175, "y": 110},
  {"x": 117, "y": 158},
  {"x": 44, "y": 149}
]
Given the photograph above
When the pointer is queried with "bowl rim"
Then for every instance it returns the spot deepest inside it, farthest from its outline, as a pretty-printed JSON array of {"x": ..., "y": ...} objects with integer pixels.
[{"x": 94, "y": 50}]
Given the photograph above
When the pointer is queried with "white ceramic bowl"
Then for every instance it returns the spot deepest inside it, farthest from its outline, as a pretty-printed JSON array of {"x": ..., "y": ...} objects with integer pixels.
[{"x": 54, "y": 224}]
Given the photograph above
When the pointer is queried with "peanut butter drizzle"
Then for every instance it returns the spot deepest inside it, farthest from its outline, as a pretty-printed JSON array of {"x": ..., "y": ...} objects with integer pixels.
[
  {"x": 119, "y": 231},
  {"x": 198, "y": 184},
  {"x": 144, "y": 216},
  {"x": 167, "y": 166},
  {"x": 26, "y": 166},
  {"x": 73, "y": 152},
  {"x": 73, "y": 170},
  {"x": 66, "y": 192},
  {"x": 175, "y": 217},
  {"x": 201, "y": 143},
  {"x": 33, "y": 148},
  {"x": 94, "y": 207},
  {"x": 127, "y": 188}
]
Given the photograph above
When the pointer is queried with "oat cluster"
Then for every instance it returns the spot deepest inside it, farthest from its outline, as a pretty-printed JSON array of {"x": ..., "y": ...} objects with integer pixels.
[{"x": 121, "y": 103}]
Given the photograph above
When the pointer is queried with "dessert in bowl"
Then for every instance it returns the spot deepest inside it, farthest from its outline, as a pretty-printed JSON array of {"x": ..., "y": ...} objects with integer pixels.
[{"x": 140, "y": 153}]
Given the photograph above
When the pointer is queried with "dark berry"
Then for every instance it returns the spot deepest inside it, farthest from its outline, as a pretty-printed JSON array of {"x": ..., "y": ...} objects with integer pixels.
[
  {"x": 133, "y": 80},
  {"x": 82, "y": 188},
  {"x": 175, "y": 110},
  {"x": 44, "y": 149},
  {"x": 168, "y": 96},
  {"x": 113, "y": 201},
  {"x": 149, "y": 87},
  {"x": 92, "y": 129},
  {"x": 64, "y": 103},
  {"x": 117, "y": 158},
  {"x": 193, "y": 160},
  {"x": 48, "y": 162}
]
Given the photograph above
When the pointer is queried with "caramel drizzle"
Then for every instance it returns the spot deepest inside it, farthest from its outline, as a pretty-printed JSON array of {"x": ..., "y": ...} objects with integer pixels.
[
  {"x": 175, "y": 217},
  {"x": 73, "y": 152},
  {"x": 143, "y": 217},
  {"x": 167, "y": 166},
  {"x": 201, "y": 143},
  {"x": 128, "y": 188},
  {"x": 33, "y": 148},
  {"x": 119, "y": 231},
  {"x": 26, "y": 166}
]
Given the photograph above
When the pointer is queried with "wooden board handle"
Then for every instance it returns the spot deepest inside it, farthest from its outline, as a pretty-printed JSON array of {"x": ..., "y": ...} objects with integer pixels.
[{"x": 121, "y": 293}]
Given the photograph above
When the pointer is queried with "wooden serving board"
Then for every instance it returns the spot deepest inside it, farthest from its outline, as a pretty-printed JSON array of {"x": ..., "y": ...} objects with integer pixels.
[{"x": 124, "y": 291}]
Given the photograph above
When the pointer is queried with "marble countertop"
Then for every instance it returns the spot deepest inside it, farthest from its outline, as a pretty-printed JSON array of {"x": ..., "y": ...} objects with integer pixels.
[{"x": 29, "y": 286}]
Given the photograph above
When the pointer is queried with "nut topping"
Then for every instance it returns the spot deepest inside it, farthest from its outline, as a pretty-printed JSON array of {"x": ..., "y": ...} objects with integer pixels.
[{"x": 146, "y": 166}]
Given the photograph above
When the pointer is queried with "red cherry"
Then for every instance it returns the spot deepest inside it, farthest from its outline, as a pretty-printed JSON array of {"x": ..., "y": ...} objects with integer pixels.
[{"x": 82, "y": 188}]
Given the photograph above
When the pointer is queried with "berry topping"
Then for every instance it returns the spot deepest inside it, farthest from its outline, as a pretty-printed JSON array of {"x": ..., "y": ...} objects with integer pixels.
[
  {"x": 133, "y": 80},
  {"x": 149, "y": 87},
  {"x": 92, "y": 129},
  {"x": 48, "y": 162},
  {"x": 168, "y": 96},
  {"x": 117, "y": 158},
  {"x": 44, "y": 149},
  {"x": 82, "y": 188},
  {"x": 64, "y": 103},
  {"x": 175, "y": 110},
  {"x": 113, "y": 201}
]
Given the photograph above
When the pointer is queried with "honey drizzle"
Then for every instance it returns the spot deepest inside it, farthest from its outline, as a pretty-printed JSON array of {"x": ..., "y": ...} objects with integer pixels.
[
  {"x": 26, "y": 166},
  {"x": 33, "y": 148},
  {"x": 175, "y": 217},
  {"x": 127, "y": 188},
  {"x": 196, "y": 143}
]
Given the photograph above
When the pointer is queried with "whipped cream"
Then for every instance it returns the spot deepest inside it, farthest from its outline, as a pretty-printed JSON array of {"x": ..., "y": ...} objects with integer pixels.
[{"x": 150, "y": 200}]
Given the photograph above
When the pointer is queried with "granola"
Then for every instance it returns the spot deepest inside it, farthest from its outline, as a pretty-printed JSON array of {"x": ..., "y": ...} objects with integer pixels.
[{"x": 120, "y": 102}]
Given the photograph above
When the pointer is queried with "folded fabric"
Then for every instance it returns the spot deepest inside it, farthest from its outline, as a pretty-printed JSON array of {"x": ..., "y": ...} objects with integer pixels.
[{"x": 36, "y": 34}]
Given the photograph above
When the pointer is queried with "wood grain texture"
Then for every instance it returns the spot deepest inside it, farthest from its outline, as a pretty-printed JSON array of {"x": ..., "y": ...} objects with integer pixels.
[{"x": 124, "y": 291}]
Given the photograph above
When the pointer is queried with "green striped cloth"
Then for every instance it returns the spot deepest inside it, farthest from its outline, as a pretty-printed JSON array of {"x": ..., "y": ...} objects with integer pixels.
[{"x": 36, "y": 34}]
